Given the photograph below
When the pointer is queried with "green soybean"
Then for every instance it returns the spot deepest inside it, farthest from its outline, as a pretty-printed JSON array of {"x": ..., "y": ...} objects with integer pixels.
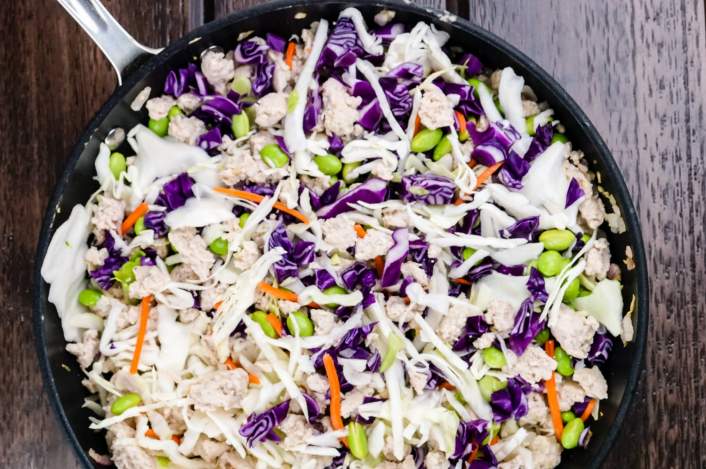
[
  {"x": 139, "y": 225},
  {"x": 260, "y": 317},
  {"x": 347, "y": 168},
  {"x": 542, "y": 337},
  {"x": 117, "y": 164},
  {"x": 89, "y": 297},
  {"x": 563, "y": 362},
  {"x": 243, "y": 219},
  {"x": 559, "y": 138},
  {"x": 567, "y": 416},
  {"x": 330, "y": 165},
  {"x": 550, "y": 263},
  {"x": 241, "y": 85},
  {"x": 240, "y": 124},
  {"x": 442, "y": 148},
  {"x": 219, "y": 246},
  {"x": 572, "y": 291},
  {"x": 125, "y": 402},
  {"x": 493, "y": 357},
  {"x": 334, "y": 290},
  {"x": 174, "y": 111},
  {"x": 125, "y": 274},
  {"x": 490, "y": 384},
  {"x": 571, "y": 434},
  {"x": 557, "y": 240},
  {"x": 159, "y": 126},
  {"x": 273, "y": 156},
  {"x": 357, "y": 440},
  {"x": 163, "y": 461},
  {"x": 468, "y": 252},
  {"x": 298, "y": 320},
  {"x": 426, "y": 139}
]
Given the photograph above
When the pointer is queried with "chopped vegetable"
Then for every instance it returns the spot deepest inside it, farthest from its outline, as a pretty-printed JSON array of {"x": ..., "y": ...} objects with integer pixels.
[
  {"x": 141, "y": 331},
  {"x": 133, "y": 217}
]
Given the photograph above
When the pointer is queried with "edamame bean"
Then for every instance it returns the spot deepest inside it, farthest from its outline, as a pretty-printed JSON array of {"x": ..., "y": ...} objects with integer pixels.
[
  {"x": 260, "y": 317},
  {"x": 219, "y": 246},
  {"x": 567, "y": 416},
  {"x": 117, "y": 164},
  {"x": 357, "y": 440},
  {"x": 572, "y": 292},
  {"x": 557, "y": 240},
  {"x": 243, "y": 219},
  {"x": 347, "y": 168},
  {"x": 493, "y": 357},
  {"x": 163, "y": 461},
  {"x": 490, "y": 384},
  {"x": 559, "y": 138},
  {"x": 299, "y": 321},
  {"x": 542, "y": 337},
  {"x": 442, "y": 149},
  {"x": 468, "y": 252},
  {"x": 159, "y": 126},
  {"x": 241, "y": 85},
  {"x": 550, "y": 263},
  {"x": 89, "y": 297},
  {"x": 174, "y": 111},
  {"x": 426, "y": 139},
  {"x": 139, "y": 225},
  {"x": 585, "y": 238},
  {"x": 273, "y": 156},
  {"x": 125, "y": 402},
  {"x": 563, "y": 362},
  {"x": 240, "y": 124},
  {"x": 571, "y": 434},
  {"x": 529, "y": 123},
  {"x": 334, "y": 290},
  {"x": 125, "y": 274},
  {"x": 330, "y": 165}
]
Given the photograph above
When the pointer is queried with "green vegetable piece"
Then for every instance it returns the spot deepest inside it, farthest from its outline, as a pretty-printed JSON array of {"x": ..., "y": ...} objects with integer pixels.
[
  {"x": 347, "y": 168},
  {"x": 559, "y": 138},
  {"x": 550, "y": 263},
  {"x": 529, "y": 123},
  {"x": 117, "y": 164},
  {"x": 334, "y": 290},
  {"x": 159, "y": 126},
  {"x": 139, "y": 225},
  {"x": 240, "y": 124},
  {"x": 273, "y": 156},
  {"x": 567, "y": 416},
  {"x": 219, "y": 246},
  {"x": 563, "y": 362},
  {"x": 163, "y": 461},
  {"x": 542, "y": 337},
  {"x": 573, "y": 291},
  {"x": 292, "y": 100},
  {"x": 489, "y": 384},
  {"x": 426, "y": 139},
  {"x": 243, "y": 219},
  {"x": 493, "y": 430},
  {"x": 174, "y": 111},
  {"x": 299, "y": 320},
  {"x": 241, "y": 85},
  {"x": 557, "y": 240},
  {"x": 493, "y": 357},
  {"x": 468, "y": 252},
  {"x": 125, "y": 402},
  {"x": 571, "y": 434},
  {"x": 394, "y": 345},
  {"x": 585, "y": 238},
  {"x": 260, "y": 317},
  {"x": 330, "y": 165},
  {"x": 250, "y": 111},
  {"x": 475, "y": 83},
  {"x": 442, "y": 148},
  {"x": 125, "y": 274},
  {"x": 89, "y": 297},
  {"x": 357, "y": 440},
  {"x": 583, "y": 292}
]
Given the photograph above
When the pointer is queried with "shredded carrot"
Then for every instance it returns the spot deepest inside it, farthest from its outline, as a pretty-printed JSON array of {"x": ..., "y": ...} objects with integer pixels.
[
  {"x": 417, "y": 124},
  {"x": 278, "y": 292},
  {"x": 588, "y": 410},
  {"x": 474, "y": 454},
  {"x": 461, "y": 122},
  {"x": 461, "y": 281},
  {"x": 253, "y": 379},
  {"x": 472, "y": 164},
  {"x": 406, "y": 300},
  {"x": 549, "y": 348},
  {"x": 494, "y": 440},
  {"x": 141, "y": 331},
  {"x": 230, "y": 364},
  {"x": 289, "y": 53},
  {"x": 552, "y": 396},
  {"x": 335, "y": 407},
  {"x": 448, "y": 386},
  {"x": 245, "y": 195},
  {"x": 359, "y": 230},
  {"x": 275, "y": 323},
  {"x": 379, "y": 265},
  {"x": 458, "y": 201},
  {"x": 133, "y": 217},
  {"x": 217, "y": 305},
  {"x": 176, "y": 439},
  {"x": 485, "y": 175},
  {"x": 314, "y": 305},
  {"x": 151, "y": 434}
]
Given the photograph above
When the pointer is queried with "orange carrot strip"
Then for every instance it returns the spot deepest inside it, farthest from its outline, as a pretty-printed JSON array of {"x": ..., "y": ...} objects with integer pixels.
[
  {"x": 472, "y": 164},
  {"x": 448, "y": 386},
  {"x": 335, "y": 407},
  {"x": 141, "y": 331},
  {"x": 458, "y": 201},
  {"x": 245, "y": 195},
  {"x": 253, "y": 379},
  {"x": 406, "y": 300},
  {"x": 359, "y": 230},
  {"x": 230, "y": 364},
  {"x": 176, "y": 439},
  {"x": 461, "y": 281},
  {"x": 278, "y": 292},
  {"x": 552, "y": 396},
  {"x": 133, "y": 217},
  {"x": 379, "y": 265},
  {"x": 461, "y": 123},
  {"x": 485, "y": 175},
  {"x": 417, "y": 124},
  {"x": 588, "y": 410},
  {"x": 151, "y": 434},
  {"x": 289, "y": 53},
  {"x": 474, "y": 454},
  {"x": 275, "y": 323},
  {"x": 494, "y": 440},
  {"x": 549, "y": 348},
  {"x": 217, "y": 305}
]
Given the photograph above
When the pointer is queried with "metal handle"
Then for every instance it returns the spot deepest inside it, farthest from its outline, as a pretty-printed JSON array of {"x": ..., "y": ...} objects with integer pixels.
[{"x": 117, "y": 45}]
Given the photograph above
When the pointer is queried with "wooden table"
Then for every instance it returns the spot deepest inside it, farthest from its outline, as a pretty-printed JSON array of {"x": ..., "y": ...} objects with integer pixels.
[{"x": 637, "y": 67}]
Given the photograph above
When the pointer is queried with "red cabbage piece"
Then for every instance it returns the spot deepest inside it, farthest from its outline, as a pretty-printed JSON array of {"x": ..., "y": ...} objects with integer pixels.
[
  {"x": 600, "y": 349},
  {"x": 480, "y": 271},
  {"x": 342, "y": 47},
  {"x": 176, "y": 192},
  {"x": 186, "y": 79},
  {"x": 526, "y": 327},
  {"x": 398, "y": 97},
  {"x": 579, "y": 407},
  {"x": 304, "y": 253},
  {"x": 514, "y": 169},
  {"x": 374, "y": 362},
  {"x": 285, "y": 267},
  {"x": 469, "y": 435},
  {"x": 395, "y": 257},
  {"x": 352, "y": 345},
  {"x": 327, "y": 197},
  {"x": 250, "y": 52},
  {"x": 585, "y": 437},
  {"x": 474, "y": 328},
  {"x": 486, "y": 460},
  {"x": 430, "y": 189},
  {"x": 154, "y": 220},
  {"x": 419, "y": 253},
  {"x": 262, "y": 83},
  {"x": 210, "y": 140},
  {"x": 260, "y": 189},
  {"x": 103, "y": 275},
  {"x": 370, "y": 115},
  {"x": 409, "y": 71},
  {"x": 510, "y": 402},
  {"x": 358, "y": 274},
  {"x": 407, "y": 281},
  {"x": 515, "y": 270},
  {"x": 335, "y": 144},
  {"x": 275, "y": 42},
  {"x": 493, "y": 144},
  {"x": 542, "y": 139},
  {"x": 260, "y": 427},
  {"x": 389, "y": 32},
  {"x": 372, "y": 191},
  {"x": 536, "y": 287},
  {"x": 218, "y": 109},
  {"x": 468, "y": 103},
  {"x": 312, "y": 408},
  {"x": 324, "y": 279},
  {"x": 282, "y": 144},
  {"x": 312, "y": 111},
  {"x": 472, "y": 63},
  {"x": 363, "y": 90},
  {"x": 525, "y": 228},
  {"x": 574, "y": 193}
]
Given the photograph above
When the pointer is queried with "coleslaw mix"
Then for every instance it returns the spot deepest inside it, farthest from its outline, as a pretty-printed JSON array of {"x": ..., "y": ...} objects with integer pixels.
[{"x": 354, "y": 247}]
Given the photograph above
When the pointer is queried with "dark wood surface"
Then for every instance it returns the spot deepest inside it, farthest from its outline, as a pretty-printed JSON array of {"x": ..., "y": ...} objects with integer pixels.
[{"x": 637, "y": 67}]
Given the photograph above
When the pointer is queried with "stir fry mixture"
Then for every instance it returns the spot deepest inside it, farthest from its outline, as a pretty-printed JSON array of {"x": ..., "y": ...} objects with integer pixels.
[{"x": 353, "y": 247}]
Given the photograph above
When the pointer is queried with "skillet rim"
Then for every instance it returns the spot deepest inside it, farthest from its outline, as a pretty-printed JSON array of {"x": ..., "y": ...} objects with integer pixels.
[{"x": 144, "y": 66}]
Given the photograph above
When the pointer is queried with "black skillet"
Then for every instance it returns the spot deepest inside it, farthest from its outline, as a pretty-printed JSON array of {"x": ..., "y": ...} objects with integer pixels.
[{"x": 137, "y": 67}]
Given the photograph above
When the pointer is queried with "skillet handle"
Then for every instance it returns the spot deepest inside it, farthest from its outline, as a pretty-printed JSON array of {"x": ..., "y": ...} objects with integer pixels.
[{"x": 119, "y": 47}]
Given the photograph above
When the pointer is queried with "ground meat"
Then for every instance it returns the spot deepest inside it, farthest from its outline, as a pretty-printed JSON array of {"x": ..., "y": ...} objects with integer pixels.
[
  {"x": 339, "y": 232},
  {"x": 95, "y": 257},
  {"x": 127, "y": 455},
  {"x": 282, "y": 74},
  {"x": 592, "y": 212},
  {"x": 574, "y": 331},
  {"x": 211, "y": 296},
  {"x": 149, "y": 280},
  {"x": 484, "y": 341},
  {"x": 340, "y": 110},
  {"x": 231, "y": 460},
  {"x": 241, "y": 165},
  {"x": 453, "y": 323},
  {"x": 435, "y": 109},
  {"x": 546, "y": 452},
  {"x": 537, "y": 412},
  {"x": 598, "y": 260},
  {"x": 407, "y": 463},
  {"x": 209, "y": 450},
  {"x": 521, "y": 460},
  {"x": 534, "y": 365},
  {"x": 188, "y": 102},
  {"x": 317, "y": 383},
  {"x": 375, "y": 243},
  {"x": 297, "y": 431},
  {"x": 123, "y": 380},
  {"x": 246, "y": 257},
  {"x": 435, "y": 459},
  {"x": 219, "y": 389},
  {"x": 501, "y": 314},
  {"x": 86, "y": 350},
  {"x": 350, "y": 403},
  {"x": 414, "y": 270},
  {"x": 270, "y": 109},
  {"x": 186, "y": 129},
  {"x": 193, "y": 250},
  {"x": 189, "y": 315},
  {"x": 569, "y": 393},
  {"x": 418, "y": 378},
  {"x": 218, "y": 69},
  {"x": 395, "y": 217},
  {"x": 107, "y": 216},
  {"x": 529, "y": 108},
  {"x": 382, "y": 171},
  {"x": 400, "y": 312},
  {"x": 324, "y": 321},
  {"x": 158, "y": 108},
  {"x": 592, "y": 382}
]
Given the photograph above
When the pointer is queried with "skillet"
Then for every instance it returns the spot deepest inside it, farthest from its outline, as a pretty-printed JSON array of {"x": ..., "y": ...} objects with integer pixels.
[{"x": 138, "y": 66}]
